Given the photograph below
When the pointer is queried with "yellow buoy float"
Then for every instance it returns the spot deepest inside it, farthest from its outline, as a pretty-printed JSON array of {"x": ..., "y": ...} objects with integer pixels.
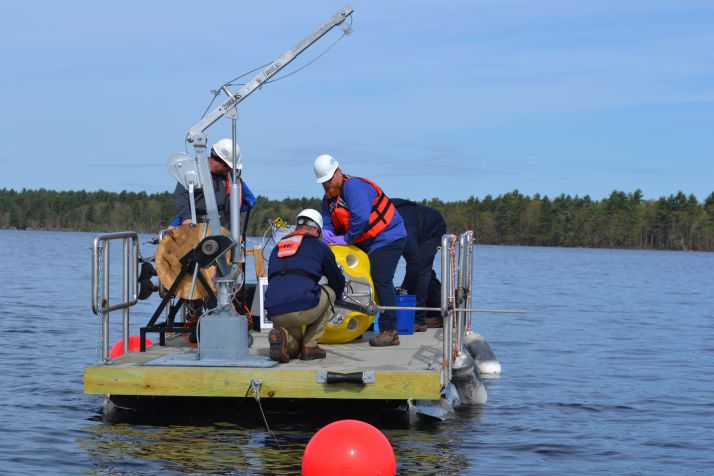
[{"x": 345, "y": 325}]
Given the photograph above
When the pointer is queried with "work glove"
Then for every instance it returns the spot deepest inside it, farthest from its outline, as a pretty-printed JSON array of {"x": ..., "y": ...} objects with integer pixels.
[
  {"x": 331, "y": 239},
  {"x": 338, "y": 240},
  {"x": 327, "y": 236}
]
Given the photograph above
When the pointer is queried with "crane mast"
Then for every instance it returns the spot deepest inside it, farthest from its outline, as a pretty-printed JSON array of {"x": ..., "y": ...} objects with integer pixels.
[{"x": 196, "y": 135}]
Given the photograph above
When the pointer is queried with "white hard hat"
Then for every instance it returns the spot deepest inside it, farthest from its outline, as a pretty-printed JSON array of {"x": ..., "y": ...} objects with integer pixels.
[
  {"x": 325, "y": 166},
  {"x": 310, "y": 217},
  {"x": 224, "y": 150}
]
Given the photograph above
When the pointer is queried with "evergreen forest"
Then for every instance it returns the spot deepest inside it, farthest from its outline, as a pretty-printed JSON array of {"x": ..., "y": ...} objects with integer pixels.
[{"x": 622, "y": 220}]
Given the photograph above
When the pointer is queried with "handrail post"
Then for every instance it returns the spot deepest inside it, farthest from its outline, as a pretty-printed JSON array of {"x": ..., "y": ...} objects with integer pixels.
[
  {"x": 470, "y": 277},
  {"x": 455, "y": 321},
  {"x": 105, "y": 302},
  {"x": 125, "y": 293},
  {"x": 459, "y": 293},
  {"x": 446, "y": 278},
  {"x": 464, "y": 283},
  {"x": 130, "y": 295}
]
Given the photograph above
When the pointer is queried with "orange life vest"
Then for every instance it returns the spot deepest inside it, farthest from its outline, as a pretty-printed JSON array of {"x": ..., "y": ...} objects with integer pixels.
[
  {"x": 287, "y": 247},
  {"x": 379, "y": 218},
  {"x": 290, "y": 243}
]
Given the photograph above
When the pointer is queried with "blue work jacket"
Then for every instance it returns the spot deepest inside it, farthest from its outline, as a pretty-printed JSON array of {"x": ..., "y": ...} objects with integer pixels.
[{"x": 359, "y": 196}]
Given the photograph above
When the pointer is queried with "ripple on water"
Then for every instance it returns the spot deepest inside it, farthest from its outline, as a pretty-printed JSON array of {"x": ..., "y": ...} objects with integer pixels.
[{"x": 609, "y": 372}]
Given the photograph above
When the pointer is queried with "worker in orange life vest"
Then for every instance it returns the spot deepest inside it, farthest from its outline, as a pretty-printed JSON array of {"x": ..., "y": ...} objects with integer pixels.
[
  {"x": 294, "y": 298},
  {"x": 355, "y": 211}
]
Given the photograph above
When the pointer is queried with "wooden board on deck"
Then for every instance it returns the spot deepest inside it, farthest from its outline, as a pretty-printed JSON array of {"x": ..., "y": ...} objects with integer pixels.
[{"x": 410, "y": 370}]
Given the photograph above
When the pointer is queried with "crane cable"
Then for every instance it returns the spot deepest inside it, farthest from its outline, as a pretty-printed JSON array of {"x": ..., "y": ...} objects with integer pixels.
[{"x": 216, "y": 92}]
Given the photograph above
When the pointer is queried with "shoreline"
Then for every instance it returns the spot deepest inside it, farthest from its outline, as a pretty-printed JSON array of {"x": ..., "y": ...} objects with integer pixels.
[{"x": 69, "y": 230}]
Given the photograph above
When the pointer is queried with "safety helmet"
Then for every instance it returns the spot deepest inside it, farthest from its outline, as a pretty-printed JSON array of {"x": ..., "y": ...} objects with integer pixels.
[
  {"x": 325, "y": 166},
  {"x": 224, "y": 150},
  {"x": 310, "y": 217}
]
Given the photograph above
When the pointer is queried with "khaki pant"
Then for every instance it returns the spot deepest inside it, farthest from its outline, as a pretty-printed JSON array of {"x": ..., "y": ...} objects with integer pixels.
[{"x": 314, "y": 320}]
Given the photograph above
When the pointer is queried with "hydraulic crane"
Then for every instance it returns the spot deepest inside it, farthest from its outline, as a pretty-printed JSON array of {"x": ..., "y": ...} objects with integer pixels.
[{"x": 223, "y": 333}]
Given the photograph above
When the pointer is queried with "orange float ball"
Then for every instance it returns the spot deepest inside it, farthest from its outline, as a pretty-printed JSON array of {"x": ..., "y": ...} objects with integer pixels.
[
  {"x": 349, "y": 447},
  {"x": 134, "y": 343}
]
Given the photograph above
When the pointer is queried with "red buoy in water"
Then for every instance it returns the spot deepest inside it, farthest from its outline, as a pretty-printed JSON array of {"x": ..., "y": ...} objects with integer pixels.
[
  {"x": 134, "y": 344},
  {"x": 349, "y": 447}
]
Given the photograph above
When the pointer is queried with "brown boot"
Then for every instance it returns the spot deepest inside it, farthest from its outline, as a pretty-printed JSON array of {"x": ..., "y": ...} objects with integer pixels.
[
  {"x": 420, "y": 327},
  {"x": 433, "y": 322},
  {"x": 278, "y": 345},
  {"x": 312, "y": 353},
  {"x": 385, "y": 339}
]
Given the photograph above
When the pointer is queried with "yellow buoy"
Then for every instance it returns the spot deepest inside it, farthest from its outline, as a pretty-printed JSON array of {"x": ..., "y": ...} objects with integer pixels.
[{"x": 345, "y": 325}]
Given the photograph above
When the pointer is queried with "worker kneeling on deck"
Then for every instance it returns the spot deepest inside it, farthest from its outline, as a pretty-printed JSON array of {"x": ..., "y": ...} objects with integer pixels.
[{"x": 294, "y": 298}]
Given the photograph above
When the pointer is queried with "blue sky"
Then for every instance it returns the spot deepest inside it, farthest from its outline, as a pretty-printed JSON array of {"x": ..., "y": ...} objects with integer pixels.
[{"x": 429, "y": 99}]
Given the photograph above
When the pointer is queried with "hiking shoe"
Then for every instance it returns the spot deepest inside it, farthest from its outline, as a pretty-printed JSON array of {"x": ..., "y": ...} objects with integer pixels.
[
  {"x": 312, "y": 353},
  {"x": 385, "y": 339},
  {"x": 420, "y": 327},
  {"x": 278, "y": 345},
  {"x": 433, "y": 322}
]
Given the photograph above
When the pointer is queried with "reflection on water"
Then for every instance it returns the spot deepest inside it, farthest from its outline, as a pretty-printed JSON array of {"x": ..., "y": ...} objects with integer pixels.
[
  {"x": 609, "y": 372},
  {"x": 222, "y": 447},
  {"x": 200, "y": 442}
]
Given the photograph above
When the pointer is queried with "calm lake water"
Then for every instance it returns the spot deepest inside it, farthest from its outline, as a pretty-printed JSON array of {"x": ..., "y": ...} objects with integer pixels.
[{"x": 611, "y": 371}]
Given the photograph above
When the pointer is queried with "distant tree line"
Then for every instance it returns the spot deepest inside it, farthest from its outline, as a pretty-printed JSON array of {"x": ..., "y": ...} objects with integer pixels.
[{"x": 622, "y": 220}]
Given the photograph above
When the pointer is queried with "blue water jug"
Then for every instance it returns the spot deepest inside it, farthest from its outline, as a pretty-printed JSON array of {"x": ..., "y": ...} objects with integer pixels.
[{"x": 405, "y": 319}]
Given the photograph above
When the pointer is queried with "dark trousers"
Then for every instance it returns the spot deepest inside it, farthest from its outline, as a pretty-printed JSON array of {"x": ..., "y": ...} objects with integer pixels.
[
  {"x": 383, "y": 262},
  {"x": 433, "y": 296},
  {"x": 427, "y": 252}
]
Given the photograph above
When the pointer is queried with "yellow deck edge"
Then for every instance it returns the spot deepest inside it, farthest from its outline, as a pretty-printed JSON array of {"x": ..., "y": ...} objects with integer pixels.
[{"x": 233, "y": 382}]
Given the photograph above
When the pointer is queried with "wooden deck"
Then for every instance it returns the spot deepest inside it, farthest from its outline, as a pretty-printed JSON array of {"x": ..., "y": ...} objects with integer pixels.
[{"x": 410, "y": 370}]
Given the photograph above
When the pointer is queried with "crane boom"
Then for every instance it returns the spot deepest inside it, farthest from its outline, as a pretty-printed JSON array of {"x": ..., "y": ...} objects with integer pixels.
[
  {"x": 267, "y": 73},
  {"x": 197, "y": 137}
]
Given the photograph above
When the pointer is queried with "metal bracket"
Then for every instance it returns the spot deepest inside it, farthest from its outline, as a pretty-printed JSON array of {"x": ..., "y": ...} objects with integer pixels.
[
  {"x": 255, "y": 385},
  {"x": 360, "y": 378}
]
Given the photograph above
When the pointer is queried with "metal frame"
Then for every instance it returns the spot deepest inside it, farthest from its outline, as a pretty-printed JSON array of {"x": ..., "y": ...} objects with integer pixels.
[
  {"x": 457, "y": 320},
  {"x": 464, "y": 285},
  {"x": 187, "y": 264},
  {"x": 446, "y": 315},
  {"x": 130, "y": 253}
]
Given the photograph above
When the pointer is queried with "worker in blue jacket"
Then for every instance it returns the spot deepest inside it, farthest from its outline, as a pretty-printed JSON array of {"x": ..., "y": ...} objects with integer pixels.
[
  {"x": 294, "y": 298},
  {"x": 425, "y": 227},
  {"x": 357, "y": 212}
]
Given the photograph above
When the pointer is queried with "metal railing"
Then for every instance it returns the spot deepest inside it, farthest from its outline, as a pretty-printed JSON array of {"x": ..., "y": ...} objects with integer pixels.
[
  {"x": 456, "y": 295},
  {"x": 464, "y": 287},
  {"x": 101, "y": 304}
]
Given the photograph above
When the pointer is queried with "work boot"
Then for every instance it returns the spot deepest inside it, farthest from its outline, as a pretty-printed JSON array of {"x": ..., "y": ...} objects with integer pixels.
[
  {"x": 312, "y": 353},
  {"x": 433, "y": 322},
  {"x": 278, "y": 345},
  {"x": 385, "y": 339},
  {"x": 418, "y": 327}
]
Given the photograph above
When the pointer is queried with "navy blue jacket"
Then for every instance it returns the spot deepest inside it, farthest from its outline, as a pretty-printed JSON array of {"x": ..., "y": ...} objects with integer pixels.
[
  {"x": 424, "y": 226},
  {"x": 290, "y": 292}
]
